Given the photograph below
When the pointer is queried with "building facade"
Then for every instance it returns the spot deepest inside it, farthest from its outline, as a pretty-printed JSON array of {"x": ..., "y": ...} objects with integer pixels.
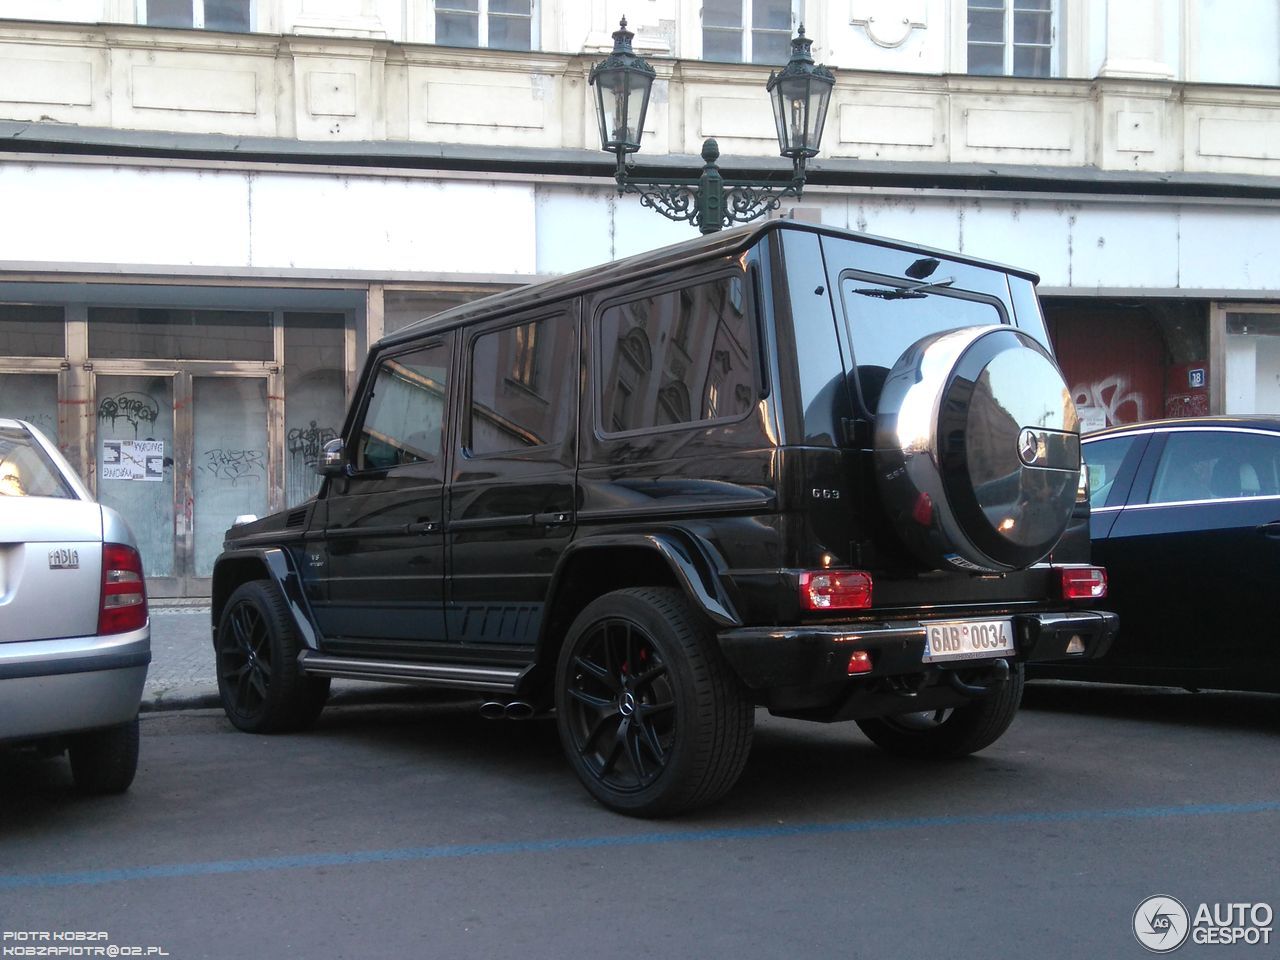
[{"x": 213, "y": 207}]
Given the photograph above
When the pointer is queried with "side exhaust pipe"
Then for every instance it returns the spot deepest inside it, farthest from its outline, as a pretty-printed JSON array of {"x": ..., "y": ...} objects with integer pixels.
[{"x": 515, "y": 710}]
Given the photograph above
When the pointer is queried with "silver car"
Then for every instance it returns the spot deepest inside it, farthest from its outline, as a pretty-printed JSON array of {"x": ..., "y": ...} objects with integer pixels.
[{"x": 75, "y": 637}]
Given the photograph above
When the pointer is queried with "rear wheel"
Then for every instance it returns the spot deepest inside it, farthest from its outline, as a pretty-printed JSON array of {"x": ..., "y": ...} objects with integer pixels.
[
  {"x": 105, "y": 761},
  {"x": 950, "y": 733},
  {"x": 651, "y": 717},
  {"x": 261, "y": 686}
]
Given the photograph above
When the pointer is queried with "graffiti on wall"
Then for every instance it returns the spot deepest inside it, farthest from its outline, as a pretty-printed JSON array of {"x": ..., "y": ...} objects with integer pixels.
[
  {"x": 1113, "y": 396},
  {"x": 307, "y": 442},
  {"x": 232, "y": 466},
  {"x": 135, "y": 409}
]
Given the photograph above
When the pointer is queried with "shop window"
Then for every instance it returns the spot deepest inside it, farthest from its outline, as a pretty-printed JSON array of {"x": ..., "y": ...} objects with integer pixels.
[
  {"x": 403, "y": 307},
  {"x": 231, "y": 472},
  {"x": 519, "y": 379},
  {"x": 748, "y": 31},
  {"x": 146, "y": 334},
  {"x": 1252, "y": 381},
  {"x": 233, "y": 16},
  {"x": 497, "y": 24},
  {"x": 31, "y": 331},
  {"x": 315, "y": 396},
  {"x": 1012, "y": 38},
  {"x": 651, "y": 379},
  {"x": 32, "y": 397}
]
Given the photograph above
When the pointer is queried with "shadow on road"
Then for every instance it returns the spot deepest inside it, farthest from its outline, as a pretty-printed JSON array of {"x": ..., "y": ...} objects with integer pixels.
[{"x": 1256, "y": 712}]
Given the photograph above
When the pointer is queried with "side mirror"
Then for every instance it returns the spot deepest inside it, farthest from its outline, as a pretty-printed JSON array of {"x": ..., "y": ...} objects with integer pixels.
[{"x": 333, "y": 460}]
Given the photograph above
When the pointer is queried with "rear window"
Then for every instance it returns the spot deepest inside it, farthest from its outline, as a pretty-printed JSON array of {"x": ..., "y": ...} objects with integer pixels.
[
  {"x": 885, "y": 319},
  {"x": 26, "y": 470}
]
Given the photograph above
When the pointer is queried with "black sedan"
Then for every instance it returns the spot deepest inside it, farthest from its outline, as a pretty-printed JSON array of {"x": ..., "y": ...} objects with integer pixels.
[{"x": 1185, "y": 516}]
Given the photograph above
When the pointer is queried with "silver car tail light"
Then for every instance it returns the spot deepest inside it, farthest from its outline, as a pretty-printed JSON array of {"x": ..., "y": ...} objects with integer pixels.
[{"x": 123, "y": 606}]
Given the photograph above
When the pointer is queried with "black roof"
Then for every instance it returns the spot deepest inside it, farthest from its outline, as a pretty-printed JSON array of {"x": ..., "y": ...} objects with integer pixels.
[
  {"x": 1254, "y": 421},
  {"x": 713, "y": 246}
]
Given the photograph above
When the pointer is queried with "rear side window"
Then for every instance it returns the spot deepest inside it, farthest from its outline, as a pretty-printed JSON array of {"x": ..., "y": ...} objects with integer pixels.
[
  {"x": 26, "y": 470},
  {"x": 1212, "y": 465},
  {"x": 402, "y": 422},
  {"x": 1105, "y": 458},
  {"x": 683, "y": 356},
  {"x": 523, "y": 386}
]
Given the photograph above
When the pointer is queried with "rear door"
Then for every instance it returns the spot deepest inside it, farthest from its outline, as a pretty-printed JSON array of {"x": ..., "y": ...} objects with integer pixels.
[
  {"x": 1194, "y": 558},
  {"x": 512, "y": 498}
]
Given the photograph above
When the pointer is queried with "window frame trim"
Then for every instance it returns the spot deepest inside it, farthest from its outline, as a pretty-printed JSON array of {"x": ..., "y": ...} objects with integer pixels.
[
  {"x": 482, "y": 26},
  {"x": 1057, "y": 17},
  {"x": 197, "y": 17},
  {"x": 745, "y": 50},
  {"x": 355, "y": 430}
]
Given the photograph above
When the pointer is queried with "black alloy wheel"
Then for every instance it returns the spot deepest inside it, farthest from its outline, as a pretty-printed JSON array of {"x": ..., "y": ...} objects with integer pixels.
[
  {"x": 651, "y": 717},
  {"x": 621, "y": 709},
  {"x": 259, "y": 681}
]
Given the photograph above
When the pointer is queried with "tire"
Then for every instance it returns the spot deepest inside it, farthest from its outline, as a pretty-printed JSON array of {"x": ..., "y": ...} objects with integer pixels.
[
  {"x": 105, "y": 761},
  {"x": 669, "y": 738},
  {"x": 256, "y": 649},
  {"x": 947, "y": 734}
]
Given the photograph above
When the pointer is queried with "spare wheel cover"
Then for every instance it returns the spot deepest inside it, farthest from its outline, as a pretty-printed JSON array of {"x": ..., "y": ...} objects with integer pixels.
[{"x": 977, "y": 449}]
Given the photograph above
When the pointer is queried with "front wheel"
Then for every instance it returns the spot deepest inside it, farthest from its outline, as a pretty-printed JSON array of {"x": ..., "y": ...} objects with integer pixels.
[
  {"x": 261, "y": 687},
  {"x": 958, "y": 732},
  {"x": 651, "y": 717}
]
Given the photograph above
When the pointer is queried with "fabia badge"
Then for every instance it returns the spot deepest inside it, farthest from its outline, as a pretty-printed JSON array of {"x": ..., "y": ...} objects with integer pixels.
[
  {"x": 64, "y": 558},
  {"x": 1161, "y": 924},
  {"x": 1029, "y": 447}
]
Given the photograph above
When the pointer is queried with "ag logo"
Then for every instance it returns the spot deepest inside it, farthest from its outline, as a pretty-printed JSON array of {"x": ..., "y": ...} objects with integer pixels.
[{"x": 1161, "y": 924}]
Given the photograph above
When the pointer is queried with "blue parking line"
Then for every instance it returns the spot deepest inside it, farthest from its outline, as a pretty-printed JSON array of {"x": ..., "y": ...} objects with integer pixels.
[{"x": 458, "y": 851}]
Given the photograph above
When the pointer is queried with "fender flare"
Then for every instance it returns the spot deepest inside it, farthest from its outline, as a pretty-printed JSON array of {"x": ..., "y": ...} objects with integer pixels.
[
  {"x": 693, "y": 563},
  {"x": 278, "y": 565}
]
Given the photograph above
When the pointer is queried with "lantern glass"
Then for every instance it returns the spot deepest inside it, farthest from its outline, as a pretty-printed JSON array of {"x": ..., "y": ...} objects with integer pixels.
[
  {"x": 622, "y": 83},
  {"x": 800, "y": 95}
]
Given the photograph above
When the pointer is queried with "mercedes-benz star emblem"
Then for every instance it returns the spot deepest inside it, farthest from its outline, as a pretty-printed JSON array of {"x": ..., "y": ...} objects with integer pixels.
[
  {"x": 628, "y": 705},
  {"x": 1028, "y": 446}
]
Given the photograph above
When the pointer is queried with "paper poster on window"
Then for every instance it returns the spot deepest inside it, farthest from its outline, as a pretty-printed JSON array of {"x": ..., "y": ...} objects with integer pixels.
[{"x": 133, "y": 460}]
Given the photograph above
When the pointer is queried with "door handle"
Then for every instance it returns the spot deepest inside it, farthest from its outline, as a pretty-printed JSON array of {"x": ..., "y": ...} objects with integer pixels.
[
  {"x": 1270, "y": 530},
  {"x": 428, "y": 526},
  {"x": 557, "y": 518}
]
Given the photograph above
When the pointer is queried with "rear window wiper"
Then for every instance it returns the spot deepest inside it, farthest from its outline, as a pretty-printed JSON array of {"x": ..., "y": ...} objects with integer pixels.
[{"x": 916, "y": 291}]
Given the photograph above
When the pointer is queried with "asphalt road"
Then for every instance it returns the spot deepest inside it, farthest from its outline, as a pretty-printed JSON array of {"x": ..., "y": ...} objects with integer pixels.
[{"x": 416, "y": 829}]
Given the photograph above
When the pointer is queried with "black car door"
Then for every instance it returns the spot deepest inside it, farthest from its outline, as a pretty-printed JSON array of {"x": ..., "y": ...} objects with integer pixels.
[
  {"x": 1194, "y": 560},
  {"x": 384, "y": 531},
  {"x": 512, "y": 497}
]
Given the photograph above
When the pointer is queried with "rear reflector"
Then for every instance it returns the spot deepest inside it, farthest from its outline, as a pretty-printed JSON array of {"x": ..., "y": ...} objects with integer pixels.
[
  {"x": 1083, "y": 583},
  {"x": 860, "y": 662},
  {"x": 835, "y": 590},
  {"x": 123, "y": 606}
]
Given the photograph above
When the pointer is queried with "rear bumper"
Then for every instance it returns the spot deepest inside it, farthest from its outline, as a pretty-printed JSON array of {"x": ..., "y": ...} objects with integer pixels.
[
  {"x": 817, "y": 656},
  {"x": 51, "y": 687}
]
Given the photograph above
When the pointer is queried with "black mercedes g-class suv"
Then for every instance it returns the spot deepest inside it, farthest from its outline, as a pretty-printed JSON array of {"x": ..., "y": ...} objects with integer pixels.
[{"x": 784, "y": 466}]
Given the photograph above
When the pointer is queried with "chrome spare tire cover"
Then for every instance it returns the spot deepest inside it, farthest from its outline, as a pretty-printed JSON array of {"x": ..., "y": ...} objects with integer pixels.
[{"x": 977, "y": 450}]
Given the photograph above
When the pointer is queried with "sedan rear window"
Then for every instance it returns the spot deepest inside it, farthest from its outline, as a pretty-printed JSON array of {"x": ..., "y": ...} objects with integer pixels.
[{"x": 26, "y": 470}]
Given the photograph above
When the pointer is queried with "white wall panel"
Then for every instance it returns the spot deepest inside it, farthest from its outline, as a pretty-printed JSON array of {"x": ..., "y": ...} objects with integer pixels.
[
  {"x": 75, "y": 213},
  {"x": 1114, "y": 246},
  {"x": 1230, "y": 249}
]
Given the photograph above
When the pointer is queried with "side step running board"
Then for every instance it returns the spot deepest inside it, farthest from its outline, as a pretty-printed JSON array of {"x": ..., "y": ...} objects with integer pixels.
[{"x": 468, "y": 677}]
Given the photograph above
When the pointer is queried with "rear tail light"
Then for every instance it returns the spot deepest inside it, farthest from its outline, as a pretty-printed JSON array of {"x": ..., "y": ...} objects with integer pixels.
[
  {"x": 123, "y": 606},
  {"x": 1083, "y": 583},
  {"x": 835, "y": 590}
]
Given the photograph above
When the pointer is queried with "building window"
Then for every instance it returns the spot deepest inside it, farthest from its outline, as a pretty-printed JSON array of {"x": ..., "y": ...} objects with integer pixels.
[
  {"x": 1011, "y": 38},
  {"x": 497, "y": 24},
  {"x": 748, "y": 31},
  {"x": 233, "y": 16}
]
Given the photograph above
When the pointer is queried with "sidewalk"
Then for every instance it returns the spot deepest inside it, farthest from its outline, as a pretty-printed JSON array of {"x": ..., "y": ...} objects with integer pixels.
[{"x": 182, "y": 673}]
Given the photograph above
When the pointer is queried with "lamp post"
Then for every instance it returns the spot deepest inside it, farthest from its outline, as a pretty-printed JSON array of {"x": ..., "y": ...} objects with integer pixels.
[{"x": 800, "y": 93}]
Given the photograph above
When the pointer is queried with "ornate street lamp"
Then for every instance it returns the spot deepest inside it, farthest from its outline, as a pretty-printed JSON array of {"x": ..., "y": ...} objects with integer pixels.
[{"x": 800, "y": 93}]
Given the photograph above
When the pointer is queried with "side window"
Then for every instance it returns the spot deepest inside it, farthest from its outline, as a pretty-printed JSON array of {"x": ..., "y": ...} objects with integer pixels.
[
  {"x": 405, "y": 414},
  {"x": 677, "y": 357},
  {"x": 1208, "y": 465},
  {"x": 1105, "y": 458},
  {"x": 524, "y": 386}
]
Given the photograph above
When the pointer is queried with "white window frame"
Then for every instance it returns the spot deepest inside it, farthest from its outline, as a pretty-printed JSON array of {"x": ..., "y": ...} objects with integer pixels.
[
  {"x": 197, "y": 14},
  {"x": 797, "y": 17},
  {"x": 1008, "y": 45},
  {"x": 482, "y": 30}
]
